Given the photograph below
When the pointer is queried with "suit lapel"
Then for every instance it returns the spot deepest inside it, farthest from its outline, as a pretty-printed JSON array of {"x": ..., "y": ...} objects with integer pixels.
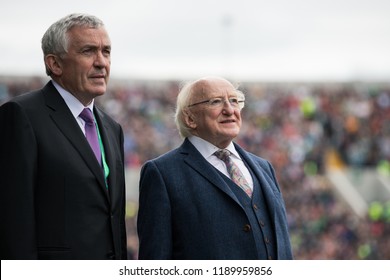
[
  {"x": 196, "y": 161},
  {"x": 276, "y": 214},
  {"x": 106, "y": 135},
  {"x": 66, "y": 123},
  {"x": 257, "y": 171}
]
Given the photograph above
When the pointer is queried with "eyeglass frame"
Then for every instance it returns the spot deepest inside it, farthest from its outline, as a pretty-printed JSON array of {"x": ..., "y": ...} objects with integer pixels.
[{"x": 240, "y": 103}]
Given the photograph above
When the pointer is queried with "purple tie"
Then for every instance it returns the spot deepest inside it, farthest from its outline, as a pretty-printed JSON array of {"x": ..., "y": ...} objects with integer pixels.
[
  {"x": 90, "y": 133},
  {"x": 235, "y": 173}
]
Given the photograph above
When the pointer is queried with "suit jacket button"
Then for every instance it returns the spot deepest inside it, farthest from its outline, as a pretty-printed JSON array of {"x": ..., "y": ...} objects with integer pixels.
[{"x": 247, "y": 228}]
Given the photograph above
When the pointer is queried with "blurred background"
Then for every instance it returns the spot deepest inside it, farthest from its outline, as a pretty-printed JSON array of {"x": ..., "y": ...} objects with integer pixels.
[{"x": 316, "y": 79}]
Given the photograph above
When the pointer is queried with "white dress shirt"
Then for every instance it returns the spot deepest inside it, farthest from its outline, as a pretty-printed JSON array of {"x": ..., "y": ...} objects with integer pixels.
[
  {"x": 75, "y": 106},
  {"x": 207, "y": 150}
]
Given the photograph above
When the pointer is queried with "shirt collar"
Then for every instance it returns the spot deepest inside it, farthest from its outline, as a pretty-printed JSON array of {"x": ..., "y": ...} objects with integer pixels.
[
  {"x": 207, "y": 149},
  {"x": 72, "y": 102}
]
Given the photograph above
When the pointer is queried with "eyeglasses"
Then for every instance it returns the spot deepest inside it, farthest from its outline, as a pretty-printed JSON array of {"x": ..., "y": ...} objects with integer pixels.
[{"x": 219, "y": 102}]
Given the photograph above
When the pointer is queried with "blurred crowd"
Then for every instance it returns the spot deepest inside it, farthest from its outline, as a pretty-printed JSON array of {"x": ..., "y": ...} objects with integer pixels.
[{"x": 297, "y": 127}]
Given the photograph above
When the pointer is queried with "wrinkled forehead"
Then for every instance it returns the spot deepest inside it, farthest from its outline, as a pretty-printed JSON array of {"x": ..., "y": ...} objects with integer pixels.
[{"x": 207, "y": 88}]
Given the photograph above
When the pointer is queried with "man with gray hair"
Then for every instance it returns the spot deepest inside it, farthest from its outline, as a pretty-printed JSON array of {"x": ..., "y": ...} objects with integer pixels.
[
  {"x": 209, "y": 198},
  {"x": 62, "y": 183}
]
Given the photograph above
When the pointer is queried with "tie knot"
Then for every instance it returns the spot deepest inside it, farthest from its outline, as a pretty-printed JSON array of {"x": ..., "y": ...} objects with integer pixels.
[
  {"x": 222, "y": 154},
  {"x": 87, "y": 116}
]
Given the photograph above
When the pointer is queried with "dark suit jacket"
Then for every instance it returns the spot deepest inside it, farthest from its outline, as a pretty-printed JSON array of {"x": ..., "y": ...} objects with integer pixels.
[
  {"x": 187, "y": 210},
  {"x": 54, "y": 203}
]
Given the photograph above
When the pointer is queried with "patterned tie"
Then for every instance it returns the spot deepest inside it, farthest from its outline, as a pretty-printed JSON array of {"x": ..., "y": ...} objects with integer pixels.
[
  {"x": 235, "y": 173},
  {"x": 90, "y": 133}
]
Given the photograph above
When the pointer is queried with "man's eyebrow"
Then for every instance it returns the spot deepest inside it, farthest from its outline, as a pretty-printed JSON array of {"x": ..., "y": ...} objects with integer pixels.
[{"x": 92, "y": 45}]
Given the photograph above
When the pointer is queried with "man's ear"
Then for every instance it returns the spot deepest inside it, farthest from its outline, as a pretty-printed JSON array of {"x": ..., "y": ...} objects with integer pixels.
[
  {"x": 189, "y": 119},
  {"x": 54, "y": 63}
]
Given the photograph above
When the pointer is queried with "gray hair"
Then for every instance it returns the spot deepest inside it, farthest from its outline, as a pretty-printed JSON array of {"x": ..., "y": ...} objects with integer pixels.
[
  {"x": 55, "y": 40},
  {"x": 187, "y": 92},
  {"x": 182, "y": 101}
]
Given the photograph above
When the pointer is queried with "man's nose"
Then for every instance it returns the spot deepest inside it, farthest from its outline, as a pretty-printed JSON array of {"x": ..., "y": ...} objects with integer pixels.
[
  {"x": 228, "y": 107},
  {"x": 101, "y": 60}
]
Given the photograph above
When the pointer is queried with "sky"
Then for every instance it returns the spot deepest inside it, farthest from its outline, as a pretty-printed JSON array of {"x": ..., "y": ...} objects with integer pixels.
[{"x": 278, "y": 40}]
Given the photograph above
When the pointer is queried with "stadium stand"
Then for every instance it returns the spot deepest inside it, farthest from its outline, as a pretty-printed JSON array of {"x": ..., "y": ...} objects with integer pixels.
[{"x": 329, "y": 144}]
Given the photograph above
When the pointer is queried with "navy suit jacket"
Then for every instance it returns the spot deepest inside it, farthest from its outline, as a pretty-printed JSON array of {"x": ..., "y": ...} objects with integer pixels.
[
  {"x": 54, "y": 202},
  {"x": 187, "y": 210}
]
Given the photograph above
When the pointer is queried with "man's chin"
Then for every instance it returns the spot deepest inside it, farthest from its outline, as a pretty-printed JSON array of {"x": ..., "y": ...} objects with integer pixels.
[
  {"x": 99, "y": 90},
  {"x": 232, "y": 133}
]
